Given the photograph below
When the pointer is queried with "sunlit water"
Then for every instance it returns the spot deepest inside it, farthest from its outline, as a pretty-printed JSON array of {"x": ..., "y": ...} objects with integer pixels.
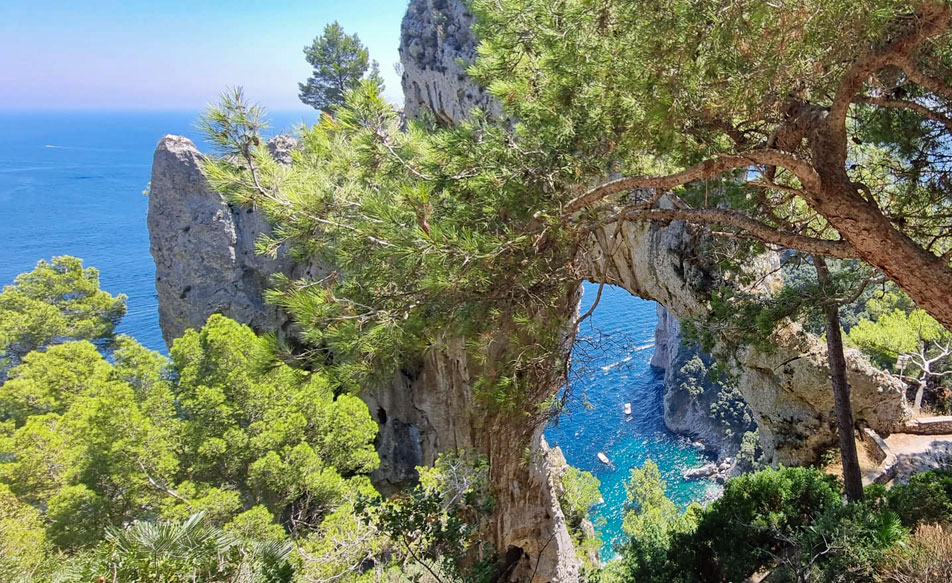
[
  {"x": 71, "y": 183},
  {"x": 612, "y": 369}
]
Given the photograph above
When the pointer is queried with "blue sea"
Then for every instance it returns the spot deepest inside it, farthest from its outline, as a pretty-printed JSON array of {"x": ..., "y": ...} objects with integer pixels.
[
  {"x": 610, "y": 369},
  {"x": 71, "y": 183}
]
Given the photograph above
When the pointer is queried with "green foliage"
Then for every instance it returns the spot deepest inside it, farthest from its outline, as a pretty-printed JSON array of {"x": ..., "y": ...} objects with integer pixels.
[
  {"x": 276, "y": 436},
  {"x": 340, "y": 63},
  {"x": 578, "y": 492},
  {"x": 791, "y": 521},
  {"x": 23, "y": 546},
  {"x": 173, "y": 552},
  {"x": 896, "y": 332},
  {"x": 90, "y": 445},
  {"x": 50, "y": 381},
  {"x": 438, "y": 523},
  {"x": 694, "y": 376},
  {"x": 926, "y": 498},
  {"x": 651, "y": 523},
  {"x": 56, "y": 301},
  {"x": 437, "y": 233},
  {"x": 739, "y": 533},
  {"x": 750, "y": 456}
]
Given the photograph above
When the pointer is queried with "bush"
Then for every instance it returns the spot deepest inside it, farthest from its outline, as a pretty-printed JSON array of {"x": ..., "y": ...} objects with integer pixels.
[
  {"x": 755, "y": 520},
  {"x": 927, "y": 498},
  {"x": 843, "y": 546}
]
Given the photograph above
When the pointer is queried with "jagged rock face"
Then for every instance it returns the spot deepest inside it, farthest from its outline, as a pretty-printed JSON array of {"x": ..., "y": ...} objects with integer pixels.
[
  {"x": 203, "y": 247},
  {"x": 788, "y": 390},
  {"x": 435, "y": 36},
  {"x": 689, "y": 396}
]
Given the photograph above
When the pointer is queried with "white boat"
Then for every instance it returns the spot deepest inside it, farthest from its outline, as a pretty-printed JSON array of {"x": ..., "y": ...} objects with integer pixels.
[
  {"x": 627, "y": 408},
  {"x": 604, "y": 459}
]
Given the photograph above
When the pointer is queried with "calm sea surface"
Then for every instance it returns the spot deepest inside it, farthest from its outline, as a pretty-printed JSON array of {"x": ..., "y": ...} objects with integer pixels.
[{"x": 71, "y": 183}]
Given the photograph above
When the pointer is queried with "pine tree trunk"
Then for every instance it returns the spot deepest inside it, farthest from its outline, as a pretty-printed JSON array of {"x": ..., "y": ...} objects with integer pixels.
[{"x": 852, "y": 476}]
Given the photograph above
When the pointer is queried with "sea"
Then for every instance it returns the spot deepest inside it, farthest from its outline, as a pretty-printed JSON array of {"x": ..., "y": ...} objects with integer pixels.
[{"x": 74, "y": 183}]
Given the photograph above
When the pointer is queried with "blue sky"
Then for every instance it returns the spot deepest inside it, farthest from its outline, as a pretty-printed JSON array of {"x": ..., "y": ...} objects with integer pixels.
[{"x": 174, "y": 54}]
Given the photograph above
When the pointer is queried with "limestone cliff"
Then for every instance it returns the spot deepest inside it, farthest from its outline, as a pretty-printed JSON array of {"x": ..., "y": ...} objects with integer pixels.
[
  {"x": 435, "y": 38},
  {"x": 205, "y": 263},
  {"x": 697, "y": 403},
  {"x": 204, "y": 247}
]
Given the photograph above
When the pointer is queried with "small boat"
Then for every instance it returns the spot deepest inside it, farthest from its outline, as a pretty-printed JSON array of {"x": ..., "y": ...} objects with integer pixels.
[
  {"x": 604, "y": 459},
  {"x": 627, "y": 408}
]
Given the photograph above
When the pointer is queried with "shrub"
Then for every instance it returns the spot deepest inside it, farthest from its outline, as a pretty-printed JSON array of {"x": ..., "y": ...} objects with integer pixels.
[
  {"x": 758, "y": 518},
  {"x": 926, "y": 498},
  {"x": 844, "y": 545}
]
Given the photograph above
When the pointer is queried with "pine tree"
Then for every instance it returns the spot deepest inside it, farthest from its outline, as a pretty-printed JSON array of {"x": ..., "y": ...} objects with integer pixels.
[{"x": 340, "y": 62}]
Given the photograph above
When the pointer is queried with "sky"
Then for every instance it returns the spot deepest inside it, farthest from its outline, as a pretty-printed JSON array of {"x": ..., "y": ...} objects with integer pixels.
[{"x": 175, "y": 54}]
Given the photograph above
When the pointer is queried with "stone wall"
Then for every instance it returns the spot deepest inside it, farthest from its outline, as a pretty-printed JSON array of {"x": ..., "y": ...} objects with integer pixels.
[{"x": 929, "y": 426}]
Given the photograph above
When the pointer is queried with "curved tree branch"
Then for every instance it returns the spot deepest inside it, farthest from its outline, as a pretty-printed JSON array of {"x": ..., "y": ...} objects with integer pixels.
[
  {"x": 923, "y": 80},
  {"x": 906, "y": 104},
  {"x": 705, "y": 169},
  {"x": 931, "y": 20}
]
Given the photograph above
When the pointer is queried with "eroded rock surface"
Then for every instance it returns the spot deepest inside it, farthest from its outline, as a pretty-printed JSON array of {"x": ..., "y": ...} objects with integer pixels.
[
  {"x": 788, "y": 390},
  {"x": 697, "y": 403},
  {"x": 435, "y": 38},
  {"x": 204, "y": 248}
]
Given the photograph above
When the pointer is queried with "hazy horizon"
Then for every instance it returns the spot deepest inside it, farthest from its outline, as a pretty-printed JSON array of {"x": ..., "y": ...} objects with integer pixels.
[{"x": 137, "y": 55}]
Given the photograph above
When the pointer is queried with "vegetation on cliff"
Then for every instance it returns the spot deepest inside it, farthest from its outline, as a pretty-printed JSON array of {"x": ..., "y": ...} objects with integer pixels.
[
  {"x": 791, "y": 522},
  {"x": 821, "y": 128}
]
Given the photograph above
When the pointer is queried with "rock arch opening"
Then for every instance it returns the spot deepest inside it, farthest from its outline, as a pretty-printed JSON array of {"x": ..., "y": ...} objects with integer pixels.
[{"x": 613, "y": 369}]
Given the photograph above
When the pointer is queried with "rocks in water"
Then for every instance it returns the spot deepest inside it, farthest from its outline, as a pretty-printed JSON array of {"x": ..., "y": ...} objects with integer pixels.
[
  {"x": 719, "y": 471},
  {"x": 703, "y": 472}
]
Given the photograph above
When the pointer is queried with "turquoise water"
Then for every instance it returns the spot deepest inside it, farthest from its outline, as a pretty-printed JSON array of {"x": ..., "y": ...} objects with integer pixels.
[
  {"x": 71, "y": 183},
  {"x": 610, "y": 368}
]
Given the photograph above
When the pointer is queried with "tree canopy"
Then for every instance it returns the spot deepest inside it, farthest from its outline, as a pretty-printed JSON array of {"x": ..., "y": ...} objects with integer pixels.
[
  {"x": 340, "y": 62},
  {"x": 819, "y": 126},
  {"x": 57, "y": 301}
]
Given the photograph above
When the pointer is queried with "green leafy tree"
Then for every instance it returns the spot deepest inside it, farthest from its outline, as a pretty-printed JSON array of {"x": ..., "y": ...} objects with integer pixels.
[
  {"x": 439, "y": 523},
  {"x": 57, "y": 301},
  {"x": 579, "y": 492},
  {"x": 340, "y": 63},
  {"x": 908, "y": 342},
  {"x": 274, "y": 434},
  {"x": 826, "y": 115},
  {"x": 651, "y": 523},
  {"x": 50, "y": 381},
  {"x": 24, "y": 551}
]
